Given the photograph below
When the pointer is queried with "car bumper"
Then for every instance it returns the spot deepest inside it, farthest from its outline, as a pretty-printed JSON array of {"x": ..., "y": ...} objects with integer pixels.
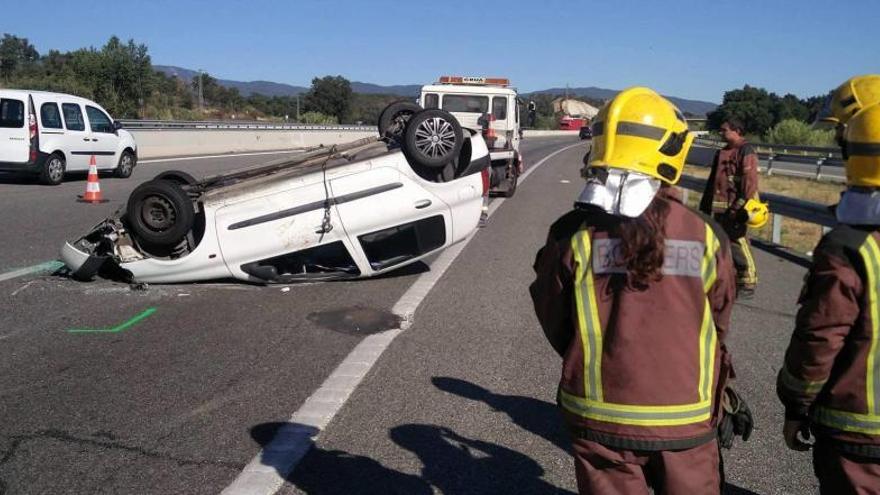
[
  {"x": 28, "y": 167},
  {"x": 82, "y": 265}
]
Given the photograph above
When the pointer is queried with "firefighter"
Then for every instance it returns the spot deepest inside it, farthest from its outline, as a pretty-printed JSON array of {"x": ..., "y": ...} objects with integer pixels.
[
  {"x": 733, "y": 182},
  {"x": 830, "y": 380},
  {"x": 634, "y": 290}
]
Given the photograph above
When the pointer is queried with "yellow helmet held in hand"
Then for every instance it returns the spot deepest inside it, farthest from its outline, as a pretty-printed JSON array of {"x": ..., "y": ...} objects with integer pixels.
[
  {"x": 862, "y": 144},
  {"x": 853, "y": 95},
  {"x": 758, "y": 212},
  {"x": 640, "y": 130}
]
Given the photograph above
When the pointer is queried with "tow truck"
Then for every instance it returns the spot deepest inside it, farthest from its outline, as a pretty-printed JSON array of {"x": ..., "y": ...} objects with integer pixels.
[{"x": 490, "y": 104}]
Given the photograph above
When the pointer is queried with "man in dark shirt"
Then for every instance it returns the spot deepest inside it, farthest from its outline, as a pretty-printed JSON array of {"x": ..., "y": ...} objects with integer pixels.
[{"x": 733, "y": 181}]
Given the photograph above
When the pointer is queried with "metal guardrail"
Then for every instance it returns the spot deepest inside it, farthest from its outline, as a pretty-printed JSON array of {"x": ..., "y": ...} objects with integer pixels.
[
  {"x": 780, "y": 206},
  {"x": 236, "y": 124},
  {"x": 820, "y": 157}
]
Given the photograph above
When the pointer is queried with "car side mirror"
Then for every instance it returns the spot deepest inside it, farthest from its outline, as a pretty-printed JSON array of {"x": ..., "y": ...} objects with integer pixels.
[{"x": 116, "y": 126}]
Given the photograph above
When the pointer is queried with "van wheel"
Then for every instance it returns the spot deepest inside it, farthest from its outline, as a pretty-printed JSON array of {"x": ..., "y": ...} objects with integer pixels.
[
  {"x": 513, "y": 178},
  {"x": 160, "y": 213},
  {"x": 126, "y": 165},
  {"x": 393, "y": 119},
  {"x": 433, "y": 138},
  {"x": 53, "y": 169}
]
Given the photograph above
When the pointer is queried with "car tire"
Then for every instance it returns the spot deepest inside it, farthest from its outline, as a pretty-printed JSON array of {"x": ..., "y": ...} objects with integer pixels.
[
  {"x": 433, "y": 138},
  {"x": 393, "y": 119},
  {"x": 53, "y": 169},
  {"x": 126, "y": 164},
  {"x": 512, "y": 181},
  {"x": 177, "y": 176},
  {"x": 159, "y": 213}
]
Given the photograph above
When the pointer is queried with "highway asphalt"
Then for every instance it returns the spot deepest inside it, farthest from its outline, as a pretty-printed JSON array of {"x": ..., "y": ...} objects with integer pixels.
[{"x": 181, "y": 400}]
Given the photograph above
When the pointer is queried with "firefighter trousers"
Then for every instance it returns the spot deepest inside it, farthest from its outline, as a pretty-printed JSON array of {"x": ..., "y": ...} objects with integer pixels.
[
  {"x": 746, "y": 271},
  {"x": 604, "y": 470},
  {"x": 844, "y": 474}
]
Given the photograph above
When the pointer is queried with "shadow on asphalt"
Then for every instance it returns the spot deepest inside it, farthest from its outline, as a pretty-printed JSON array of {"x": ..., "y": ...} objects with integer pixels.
[
  {"x": 453, "y": 463},
  {"x": 533, "y": 415},
  {"x": 336, "y": 471},
  {"x": 735, "y": 490}
]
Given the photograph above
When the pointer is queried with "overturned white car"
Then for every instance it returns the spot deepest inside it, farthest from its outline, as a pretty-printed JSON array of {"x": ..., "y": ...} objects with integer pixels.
[{"x": 354, "y": 210}]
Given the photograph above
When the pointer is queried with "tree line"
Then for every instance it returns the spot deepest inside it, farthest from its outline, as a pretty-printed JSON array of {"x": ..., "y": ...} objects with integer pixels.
[{"x": 120, "y": 76}]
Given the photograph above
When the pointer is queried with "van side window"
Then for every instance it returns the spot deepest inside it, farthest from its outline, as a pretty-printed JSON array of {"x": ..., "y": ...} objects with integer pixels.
[
  {"x": 499, "y": 107},
  {"x": 11, "y": 113},
  {"x": 432, "y": 100},
  {"x": 98, "y": 120},
  {"x": 50, "y": 116},
  {"x": 73, "y": 117}
]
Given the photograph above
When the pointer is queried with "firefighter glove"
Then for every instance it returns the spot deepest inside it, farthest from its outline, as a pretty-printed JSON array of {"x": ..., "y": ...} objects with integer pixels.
[{"x": 736, "y": 421}]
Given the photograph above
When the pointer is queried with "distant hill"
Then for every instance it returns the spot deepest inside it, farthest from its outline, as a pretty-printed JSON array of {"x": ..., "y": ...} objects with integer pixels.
[
  {"x": 696, "y": 107},
  {"x": 244, "y": 88},
  {"x": 268, "y": 88}
]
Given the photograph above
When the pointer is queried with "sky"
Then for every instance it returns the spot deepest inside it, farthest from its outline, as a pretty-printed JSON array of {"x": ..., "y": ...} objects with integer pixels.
[{"x": 684, "y": 48}]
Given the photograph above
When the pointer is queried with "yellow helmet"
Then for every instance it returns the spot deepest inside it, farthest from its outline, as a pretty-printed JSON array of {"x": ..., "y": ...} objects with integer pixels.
[
  {"x": 640, "y": 130},
  {"x": 853, "y": 95},
  {"x": 862, "y": 146},
  {"x": 758, "y": 212}
]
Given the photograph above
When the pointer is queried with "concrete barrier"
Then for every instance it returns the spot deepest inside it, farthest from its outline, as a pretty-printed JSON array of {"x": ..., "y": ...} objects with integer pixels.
[
  {"x": 159, "y": 143},
  {"x": 542, "y": 133},
  {"x": 193, "y": 142}
]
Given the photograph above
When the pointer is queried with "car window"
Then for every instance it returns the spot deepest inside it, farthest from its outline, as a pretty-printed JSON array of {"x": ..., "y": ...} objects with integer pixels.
[
  {"x": 432, "y": 100},
  {"x": 11, "y": 113},
  {"x": 466, "y": 103},
  {"x": 73, "y": 117},
  {"x": 50, "y": 116},
  {"x": 499, "y": 107},
  {"x": 98, "y": 120}
]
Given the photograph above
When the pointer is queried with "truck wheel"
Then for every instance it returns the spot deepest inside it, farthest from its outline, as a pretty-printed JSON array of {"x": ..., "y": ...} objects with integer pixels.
[
  {"x": 177, "y": 176},
  {"x": 126, "y": 165},
  {"x": 159, "y": 213},
  {"x": 512, "y": 177},
  {"x": 52, "y": 172},
  {"x": 433, "y": 138},
  {"x": 393, "y": 119}
]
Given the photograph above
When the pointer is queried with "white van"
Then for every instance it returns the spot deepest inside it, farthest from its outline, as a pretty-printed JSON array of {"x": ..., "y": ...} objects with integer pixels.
[
  {"x": 490, "y": 104},
  {"x": 48, "y": 134}
]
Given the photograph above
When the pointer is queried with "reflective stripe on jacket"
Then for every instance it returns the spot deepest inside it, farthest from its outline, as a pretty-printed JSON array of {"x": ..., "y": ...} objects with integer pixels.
[
  {"x": 832, "y": 368},
  {"x": 641, "y": 366}
]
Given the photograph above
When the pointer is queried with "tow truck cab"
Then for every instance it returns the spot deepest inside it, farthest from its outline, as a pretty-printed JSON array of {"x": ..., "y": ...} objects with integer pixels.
[{"x": 490, "y": 104}]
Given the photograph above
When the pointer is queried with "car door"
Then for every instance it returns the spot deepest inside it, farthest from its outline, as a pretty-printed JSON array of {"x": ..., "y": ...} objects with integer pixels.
[
  {"x": 287, "y": 233},
  {"x": 77, "y": 138},
  {"x": 105, "y": 141},
  {"x": 14, "y": 135},
  {"x": 390, "y": 217}
]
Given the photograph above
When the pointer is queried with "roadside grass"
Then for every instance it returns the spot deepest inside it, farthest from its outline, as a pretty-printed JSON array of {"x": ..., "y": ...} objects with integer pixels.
[{"x": 797, "y": 235}]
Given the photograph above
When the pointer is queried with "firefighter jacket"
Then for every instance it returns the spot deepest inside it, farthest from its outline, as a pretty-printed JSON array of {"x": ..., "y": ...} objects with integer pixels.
[
  {"x": 732, "y": 182},
  {"x": 641, "y": 368},
  {"x": 831, "y": 372}
]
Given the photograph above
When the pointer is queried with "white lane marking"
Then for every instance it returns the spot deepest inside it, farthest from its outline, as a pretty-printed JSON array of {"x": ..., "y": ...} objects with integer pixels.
[
  {"x": 225, "y": 155},
  {"x": 266, "y": 472},
  {"x": 48, "y": 266}
]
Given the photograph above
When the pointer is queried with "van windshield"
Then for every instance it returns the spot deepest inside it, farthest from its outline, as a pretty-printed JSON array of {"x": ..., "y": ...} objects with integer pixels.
[{"x": 466, "y": 103}]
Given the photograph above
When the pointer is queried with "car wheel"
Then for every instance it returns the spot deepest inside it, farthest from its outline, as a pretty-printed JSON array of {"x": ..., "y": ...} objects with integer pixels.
[
  {"x": 177, "y": 176},
  {"x": 126, "y": 165},
  {"x": 53, "y": 169},
  {"x": 511, "y": 183},
  {"x": 159, "y": 213},
  {"x": 393, "y": 119},
  {"x": 433, "y": 138}
]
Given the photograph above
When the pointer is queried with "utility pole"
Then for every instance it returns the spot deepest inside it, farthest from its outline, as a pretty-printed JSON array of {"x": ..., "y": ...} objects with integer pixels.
[{"x": 201, "y": 96}]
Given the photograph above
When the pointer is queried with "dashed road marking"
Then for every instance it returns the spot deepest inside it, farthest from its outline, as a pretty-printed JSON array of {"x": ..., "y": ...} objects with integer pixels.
[{"x": 266, "y": 472}]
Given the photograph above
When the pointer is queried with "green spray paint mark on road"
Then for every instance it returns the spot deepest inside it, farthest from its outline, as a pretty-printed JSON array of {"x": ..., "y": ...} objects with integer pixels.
[{"x": 117, "y": 328}]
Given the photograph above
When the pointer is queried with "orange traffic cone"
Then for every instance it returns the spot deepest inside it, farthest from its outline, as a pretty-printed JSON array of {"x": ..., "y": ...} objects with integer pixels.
[{"x": 93, "y": 187}]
